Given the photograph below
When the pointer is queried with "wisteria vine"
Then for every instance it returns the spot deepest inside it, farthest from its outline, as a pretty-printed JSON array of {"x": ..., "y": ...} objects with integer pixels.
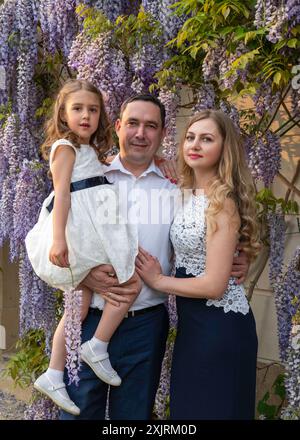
[{"x": 34, "y": 31}]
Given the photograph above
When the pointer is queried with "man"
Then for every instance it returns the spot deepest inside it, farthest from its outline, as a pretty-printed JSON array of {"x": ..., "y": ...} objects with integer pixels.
[{"x": 137, "y": 348}]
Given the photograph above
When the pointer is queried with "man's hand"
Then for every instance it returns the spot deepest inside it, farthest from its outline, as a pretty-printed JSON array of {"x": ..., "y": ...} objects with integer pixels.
[
  {"x": 102, "y": 280},
  {"x": 120, "y": 293},
  {"x": 240, "y": 266}
]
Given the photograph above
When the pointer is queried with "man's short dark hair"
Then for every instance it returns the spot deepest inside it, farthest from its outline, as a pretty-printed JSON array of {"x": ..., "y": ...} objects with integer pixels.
[{"x": 146, "y": 98}]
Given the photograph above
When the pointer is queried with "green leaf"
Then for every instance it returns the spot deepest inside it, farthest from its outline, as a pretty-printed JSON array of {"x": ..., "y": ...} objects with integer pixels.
[
  {"x": 193, "y": 51},
  {"x": 278, "y": 386},
  {"x": 267, "y": 410},
  {"x": 225, "y": 11},
  {"x": 251, "y": 90},
  {"x": 243, "y": 60},
  {"x": 277, "y": 78},
  {"x": 293, "y": 42},
  {"x": 226, "y": 30}
]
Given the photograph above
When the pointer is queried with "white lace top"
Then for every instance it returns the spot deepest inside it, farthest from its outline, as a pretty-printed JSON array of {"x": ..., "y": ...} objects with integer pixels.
[{"x": 188, "y": 235}]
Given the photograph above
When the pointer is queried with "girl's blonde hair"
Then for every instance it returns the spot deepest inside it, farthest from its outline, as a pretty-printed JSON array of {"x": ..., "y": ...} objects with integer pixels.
[
  {"x": 233, "y": 180},
  {"x": 56, "y": 128}
]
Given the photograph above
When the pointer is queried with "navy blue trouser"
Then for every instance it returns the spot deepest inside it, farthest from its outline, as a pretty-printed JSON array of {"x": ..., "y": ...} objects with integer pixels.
[{"x": 136, "y": 352}]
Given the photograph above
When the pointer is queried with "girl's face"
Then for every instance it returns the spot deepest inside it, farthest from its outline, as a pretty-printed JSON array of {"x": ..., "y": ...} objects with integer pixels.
[
  {"x": 203, "y": 146},
  {"x": 82, "y": 113}
]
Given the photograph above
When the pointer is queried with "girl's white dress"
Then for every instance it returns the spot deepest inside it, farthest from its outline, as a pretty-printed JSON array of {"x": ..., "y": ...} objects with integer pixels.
[{"x": 95, "y": 232}]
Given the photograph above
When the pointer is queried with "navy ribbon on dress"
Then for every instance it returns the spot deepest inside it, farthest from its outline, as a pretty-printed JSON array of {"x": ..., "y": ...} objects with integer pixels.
[{"x": 83, "y": 184}]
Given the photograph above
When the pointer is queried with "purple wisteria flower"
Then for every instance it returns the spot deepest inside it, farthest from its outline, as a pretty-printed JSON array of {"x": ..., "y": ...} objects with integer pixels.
[
  {"x": 232, "y": 112},
  {"x": 205, "y": 97},
  {"x": 287, "y": 289},
  {"x": 37, "y": 301},
  {"x": 287, "y": 300},
  {"x": 162, "y": 396},
  {"x": 41, "y": 408},
  {"x": 292, "y": 368},
  {"x": 145, "y": 63},
  {"x": 264, "y": 99},
  {"x": 72, "y": 302},
  {"x": 227, "y": 79},
  {"x": 9, "y": 148},
  {"x": 30, "y": 193},
  {"x": 171, "y": 23},
  {"x": 59, "y": 24},
  {"x": 153, "y": 7},
  {"x": 97, "y": 61},
  {"x": 295, "y": 102},
  {"x": 277, "y": 20},
  {"x": 26, "y": 20},
  {"x": 8, "y": 52},
  {"x": 259, "y": 19},
  {"x": 213, "y": 60},
  {"x": 293, "y": 12},
  {"x": 171, "y": 100},
  {"x": 264, "y": 157},
  {"x": 110, "y": 8}
]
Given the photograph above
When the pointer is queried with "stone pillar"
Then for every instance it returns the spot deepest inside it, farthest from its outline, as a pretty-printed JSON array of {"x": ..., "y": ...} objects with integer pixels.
[{"x": 9, "y": 298}]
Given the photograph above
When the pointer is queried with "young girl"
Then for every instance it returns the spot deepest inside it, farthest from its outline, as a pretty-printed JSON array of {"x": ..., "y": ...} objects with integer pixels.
[
  {"x": 214, "y": 360},
  {"x": 79, "y": 229}
]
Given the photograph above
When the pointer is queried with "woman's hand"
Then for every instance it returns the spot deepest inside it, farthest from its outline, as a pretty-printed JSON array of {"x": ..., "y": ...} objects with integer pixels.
[
  {"x": 168, "y": 168},
  {"x": 59, "y": 254},
  {"x": 149, "y": 268}
]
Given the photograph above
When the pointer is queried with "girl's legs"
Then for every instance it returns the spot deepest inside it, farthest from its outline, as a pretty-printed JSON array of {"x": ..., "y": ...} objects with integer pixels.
[
  {"x": 58, "y": 353},
  {"x": 51, "y": 382},
  {"x": 111, "y": 318}
]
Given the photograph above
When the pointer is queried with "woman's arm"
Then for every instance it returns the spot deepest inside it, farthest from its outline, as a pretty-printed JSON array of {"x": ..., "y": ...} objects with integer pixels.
[
  {"x": 61, "y": 169},
  {"x": 220, "y": 249}
]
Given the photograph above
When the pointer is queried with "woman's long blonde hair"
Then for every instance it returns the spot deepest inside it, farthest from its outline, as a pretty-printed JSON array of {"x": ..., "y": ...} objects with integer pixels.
[
  {"x": 233, "y": 180},
  {"x": 56, "y": 128}
]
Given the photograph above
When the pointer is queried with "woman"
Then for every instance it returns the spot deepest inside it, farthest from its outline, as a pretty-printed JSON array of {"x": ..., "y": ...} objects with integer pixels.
[{"x": 214, "y": 361}]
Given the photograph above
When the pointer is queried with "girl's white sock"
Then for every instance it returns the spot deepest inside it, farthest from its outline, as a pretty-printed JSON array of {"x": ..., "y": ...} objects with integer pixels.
[
  {"x": 100, "y": 347},
  {"x": 55, "y": 376}
]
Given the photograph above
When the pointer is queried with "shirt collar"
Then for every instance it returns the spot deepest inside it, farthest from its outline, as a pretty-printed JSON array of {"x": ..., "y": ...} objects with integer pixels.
[{"x": 116, "y": 165}]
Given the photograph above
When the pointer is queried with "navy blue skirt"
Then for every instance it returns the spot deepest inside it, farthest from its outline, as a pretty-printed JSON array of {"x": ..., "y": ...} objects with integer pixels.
[{"x": 213, "y": 374}]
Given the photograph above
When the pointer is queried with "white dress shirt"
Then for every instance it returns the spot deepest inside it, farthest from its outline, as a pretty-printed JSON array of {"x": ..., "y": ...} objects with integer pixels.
[{"x": 148, "y": 201}]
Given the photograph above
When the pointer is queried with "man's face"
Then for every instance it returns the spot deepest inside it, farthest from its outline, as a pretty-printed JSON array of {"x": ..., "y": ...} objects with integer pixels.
[{"x": 140, "y": 132}]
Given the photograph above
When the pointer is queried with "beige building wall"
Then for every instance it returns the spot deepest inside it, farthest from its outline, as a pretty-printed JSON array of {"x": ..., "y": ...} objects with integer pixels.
[{"x": 9, "y": 298}]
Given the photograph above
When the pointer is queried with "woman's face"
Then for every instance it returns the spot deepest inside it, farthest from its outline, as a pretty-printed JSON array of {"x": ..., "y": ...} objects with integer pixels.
[{"x": 203, "y": 144}]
